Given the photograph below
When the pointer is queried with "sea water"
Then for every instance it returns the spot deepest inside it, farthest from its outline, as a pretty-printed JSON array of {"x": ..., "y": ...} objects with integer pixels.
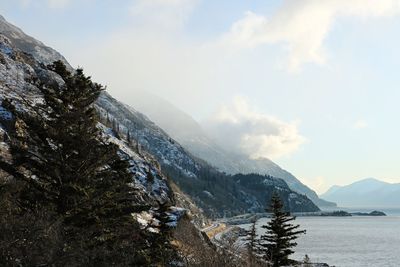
[{"x": 355, "y": 241}]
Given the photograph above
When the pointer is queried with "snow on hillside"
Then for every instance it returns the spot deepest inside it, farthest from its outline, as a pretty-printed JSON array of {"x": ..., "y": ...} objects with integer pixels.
[
  {"x": 25, "y": 43},
  {"x": 150, "y": 136},
  {"x": 193, "y": 138},
  {"x": 21, "y": 61},
  {"x": 16, "y": 71},
  {"x": 191, "y": 173}
]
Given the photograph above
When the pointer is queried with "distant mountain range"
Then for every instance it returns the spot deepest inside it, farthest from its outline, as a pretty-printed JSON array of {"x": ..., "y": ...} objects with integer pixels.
[
  {"x": 368, "y": 192},
  {"x": 190, "y": 134}
]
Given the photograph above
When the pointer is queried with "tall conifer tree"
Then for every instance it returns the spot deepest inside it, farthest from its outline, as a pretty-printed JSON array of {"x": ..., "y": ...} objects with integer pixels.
[
  {"x": 251, "y": 243},
  {"x": 128, "y": 137},
  {"x": 59, "y": 151},
  {"x": 279, "y": 240}
]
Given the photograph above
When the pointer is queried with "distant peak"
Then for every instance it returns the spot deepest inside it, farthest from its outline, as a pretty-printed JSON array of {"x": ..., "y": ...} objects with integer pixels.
[
  {"x": 331, "y": 190},
  {"x": 369, "y": 180}
]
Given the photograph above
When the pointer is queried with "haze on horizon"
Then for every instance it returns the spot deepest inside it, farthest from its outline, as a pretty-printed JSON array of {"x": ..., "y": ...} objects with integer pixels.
[{"x": 311, "y": 84}]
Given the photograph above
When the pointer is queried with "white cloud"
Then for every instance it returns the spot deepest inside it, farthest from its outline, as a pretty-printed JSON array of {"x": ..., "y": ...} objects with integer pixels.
[
  {"x": 154, "y": 53},
  {"x": 151, "y": 53},
  {"x": 239, "y": 128},
  {"x": 360, "y": 124},
  {"x": 302, "y": 25},
  {"x": 161, "y": 14}
]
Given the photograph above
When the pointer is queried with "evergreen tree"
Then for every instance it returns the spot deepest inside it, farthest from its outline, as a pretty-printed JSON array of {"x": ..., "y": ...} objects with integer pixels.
[
  {"x": 128, "y": 137},
  {"x": 163, "y": 252},
  {"x": 306, "y": 261},
  {"x": 59, "y": 152},
  {"x": 137, "y": 142},
  {"x": 108, "y": 119},
  {"x": 278, "y": 242},
  {"x": 115, "y": 128},
  {"x": 251, "y": 243},
  {"x": 149, "y": 176}
]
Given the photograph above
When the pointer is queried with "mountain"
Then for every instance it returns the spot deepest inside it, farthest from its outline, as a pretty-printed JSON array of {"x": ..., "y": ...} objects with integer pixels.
[
  {"x": 215, "y": 192},
  {"x": 28, "y": 44},
  {"x": 368, "y": 192},
  {"x": 153, "y": 153},
  {"x": 22, "y": 62},
  {"x": 192, "y": 137}
]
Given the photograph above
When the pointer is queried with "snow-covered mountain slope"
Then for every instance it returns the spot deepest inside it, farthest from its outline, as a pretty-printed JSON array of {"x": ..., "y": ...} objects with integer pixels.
[
  {"x": 368, "y": 192},
  {"x": 29, "y": 45},
  {"x": 149, "y": 135},
  {"x": 216, "y": 193},
  {"x": 18, "y": 69},
  {"x": 191, "y": 136}
]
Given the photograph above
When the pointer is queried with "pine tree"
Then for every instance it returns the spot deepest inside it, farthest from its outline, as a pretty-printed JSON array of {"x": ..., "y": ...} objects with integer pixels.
[
  {"x": 58, "y": 150},
  {"x": 137, "y": 142},
  {"x": 251, "y": 243},
  {"x": 278, "y": 242},
  {"x": 128, "y": 137},
  {"x": 108, "y": 119},
  {"x": 306, "y": 261},
  {"x": 149, "y": 176},
  {"x": 115, "y": 128},
  {"x": 163, "y": 252}
]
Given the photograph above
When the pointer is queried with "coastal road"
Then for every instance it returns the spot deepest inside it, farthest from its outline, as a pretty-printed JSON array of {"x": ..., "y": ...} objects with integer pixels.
[{"x": 214, "y": 229}]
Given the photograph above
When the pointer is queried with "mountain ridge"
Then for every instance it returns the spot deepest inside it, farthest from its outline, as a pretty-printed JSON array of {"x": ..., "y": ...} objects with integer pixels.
[
  {"x": 190, "y": 134},
  {"x": 368, "y": 192}
]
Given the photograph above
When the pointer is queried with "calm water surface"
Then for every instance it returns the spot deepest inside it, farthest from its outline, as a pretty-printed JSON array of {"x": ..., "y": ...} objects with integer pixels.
[{"x": 349, "y": 241}]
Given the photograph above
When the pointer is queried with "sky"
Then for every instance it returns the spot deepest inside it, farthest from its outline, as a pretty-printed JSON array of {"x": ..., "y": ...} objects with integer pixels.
[{"x": 311, "y": 84}]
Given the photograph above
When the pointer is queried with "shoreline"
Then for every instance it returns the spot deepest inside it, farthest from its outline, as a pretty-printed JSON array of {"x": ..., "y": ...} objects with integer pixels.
[
  {"x": 220, "y": 231},
  {"x": 250, "y": 217}
]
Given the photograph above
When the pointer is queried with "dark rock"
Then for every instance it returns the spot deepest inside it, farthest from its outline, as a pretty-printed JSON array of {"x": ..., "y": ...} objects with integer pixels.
[{"x": 372, "y": 213}]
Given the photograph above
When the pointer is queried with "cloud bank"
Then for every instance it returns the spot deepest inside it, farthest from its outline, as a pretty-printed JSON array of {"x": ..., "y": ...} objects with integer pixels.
[
  {"x": 239, "y": 128},
  {"x": 303, "y": 25},
  {"x": 154, "y": 54},
  {"x": 153, "y": 51}
]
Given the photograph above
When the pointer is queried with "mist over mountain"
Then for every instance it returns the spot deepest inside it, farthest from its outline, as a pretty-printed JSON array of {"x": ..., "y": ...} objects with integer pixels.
[
  {"x": 190, "y": 134},
  {"x": 155, "y": 155},
  {"x": 369, "y": 192}
]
